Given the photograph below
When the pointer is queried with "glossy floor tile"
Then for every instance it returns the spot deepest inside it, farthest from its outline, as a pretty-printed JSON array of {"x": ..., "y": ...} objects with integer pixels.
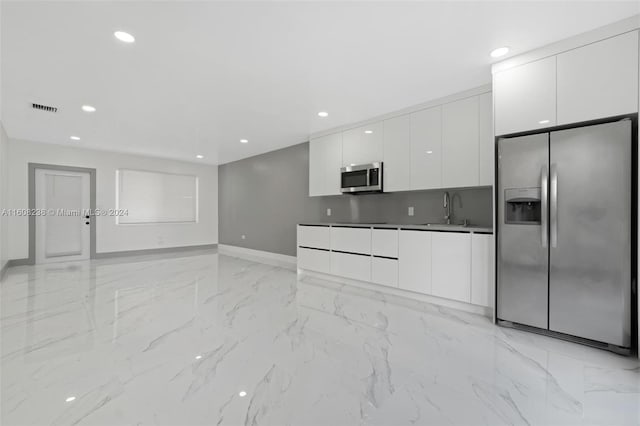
[{"x": 216, "y": 340}]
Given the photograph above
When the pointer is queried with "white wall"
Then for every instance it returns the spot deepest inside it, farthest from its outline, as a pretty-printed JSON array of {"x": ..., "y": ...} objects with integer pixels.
[
  {"x": 109, "y": 236},
  {"x": 4, "y": 225}
]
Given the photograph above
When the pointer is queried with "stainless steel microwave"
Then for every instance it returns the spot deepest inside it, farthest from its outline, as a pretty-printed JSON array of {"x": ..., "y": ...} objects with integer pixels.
[{"x": 361, "y": 178}]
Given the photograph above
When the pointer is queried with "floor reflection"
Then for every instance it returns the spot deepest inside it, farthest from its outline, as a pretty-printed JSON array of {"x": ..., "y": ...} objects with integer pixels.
[{"x": 211, "y": 339}]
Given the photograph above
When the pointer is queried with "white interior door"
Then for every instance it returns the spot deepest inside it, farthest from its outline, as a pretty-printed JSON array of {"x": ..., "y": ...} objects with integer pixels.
[{"x": 63, "y": 233}]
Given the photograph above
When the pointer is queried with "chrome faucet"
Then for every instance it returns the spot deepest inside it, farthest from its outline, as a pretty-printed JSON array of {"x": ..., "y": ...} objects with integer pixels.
[{"x": 447, "y": 207}]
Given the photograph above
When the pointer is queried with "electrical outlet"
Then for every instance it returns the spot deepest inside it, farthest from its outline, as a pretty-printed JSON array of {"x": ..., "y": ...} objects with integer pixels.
[
  {"x": 328, "y": 212},
  {"x": 244, "y": 237},
  {"x": 410, "y": 212}
]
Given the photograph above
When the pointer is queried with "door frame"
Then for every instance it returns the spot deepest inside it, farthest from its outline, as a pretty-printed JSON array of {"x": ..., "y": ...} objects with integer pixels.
[{"x": 31, "y": 260}]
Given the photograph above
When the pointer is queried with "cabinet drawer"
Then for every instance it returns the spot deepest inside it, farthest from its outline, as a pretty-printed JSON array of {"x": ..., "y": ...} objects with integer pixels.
[
  {"x": 352, "y": 266},
  {"x": 314, "y": 236},
  {"x": 353, "y": 240},
  {"x": 384, "y": 242},
  {"x": 314, "y": 260},
  {"x": 384, "y": 271}
]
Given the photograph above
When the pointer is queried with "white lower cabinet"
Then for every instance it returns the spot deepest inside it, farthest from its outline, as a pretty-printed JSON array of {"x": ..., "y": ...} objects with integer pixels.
[
  {"x": 451, "y": 265},
  {"x": 354, "y": 266},
  {"x": 451, "y": 270},
  {"x": 384, "y": 271},
  {"x": 482, "y": 267},
  {"x": 384, "y": 242},
  {"x": 314, "y": 260},
  {"x": 414, "y": 261},
  {"x": 353, "y": 240},
  {"x": 314, "y": 236}
]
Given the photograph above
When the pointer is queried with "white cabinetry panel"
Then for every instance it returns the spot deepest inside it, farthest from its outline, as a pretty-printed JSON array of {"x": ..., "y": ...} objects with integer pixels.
[
  {"x": 352, "y": 266},
  {"x": 482, "y": 267},
  {"x": 598, "y": 80},
  {"x": 397, "y": 154},
  {"x": 451, "y": 260},
  {"x": 314, "y": 260},
  {"x": 460, "y": 143},
  {"x": 426, "y": 149},
  {"x": 384, "y": 271},
  {"x": 314, "y": 236},
  {"x": 316, "y": 167},
  {"x": 415, "y": 261},
  {"x": 362, "y": 145},
  {"x": 524, "y": 96},
  {"x": 353, "y": 240},
  {"x": 325, "y": 161},
  {"x": 384, "y": 242},
  {"x": 486, "y": 142}
]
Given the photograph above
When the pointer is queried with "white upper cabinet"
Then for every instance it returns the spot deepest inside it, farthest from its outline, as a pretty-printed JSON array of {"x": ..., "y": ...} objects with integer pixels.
[
  {"x": 598, "y": 80},
  {"x": 362, "y": 145},
  {"x": 325, "y": 161},
  {"x": 525, "y": 97},
  {"x": 426, "y": 149},
  {"x": 486, "y": 143},
  {"x": 460, "y": 143},
  {"x": 316, "y": 168},
  {"x": 444, "y": 146},
  {"x": 397, "y": 154}
]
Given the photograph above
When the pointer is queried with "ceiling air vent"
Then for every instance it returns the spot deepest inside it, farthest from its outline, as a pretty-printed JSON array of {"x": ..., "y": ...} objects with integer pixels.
[{"x": 45, "y": 108}]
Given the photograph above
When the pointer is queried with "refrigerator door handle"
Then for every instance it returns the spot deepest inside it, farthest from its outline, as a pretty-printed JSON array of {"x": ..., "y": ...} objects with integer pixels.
[
  {"x": 553, "y": 216},
  {"x": 544, "y": 199}
]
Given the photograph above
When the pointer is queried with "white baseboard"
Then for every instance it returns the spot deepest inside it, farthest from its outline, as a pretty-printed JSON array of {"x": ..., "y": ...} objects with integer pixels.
[
  {"x": 461, "y": 306},
  {"x": 276, "y": 259}
]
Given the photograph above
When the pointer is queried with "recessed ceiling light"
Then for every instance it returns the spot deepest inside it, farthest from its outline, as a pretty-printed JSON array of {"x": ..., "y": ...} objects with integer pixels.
[
  {"x": 543, "y": 121},
  {"x": 500, "y": 51},
  {"x": 124, "y": 37},
  {"x": 323, "y": 114},
  {"x": 368, "y": 131},
  {"x": 74, "y": 138},
  {"x": 198, "y": 356},
  {"x": 88, "y": 108},
  {"x": 244, "y": 141},
  {"x": 199, "y": 156},
  {"x": 429, "y": 152},
  {"x": 242, "y": 394},
  {"x": 71, "y": 398}
]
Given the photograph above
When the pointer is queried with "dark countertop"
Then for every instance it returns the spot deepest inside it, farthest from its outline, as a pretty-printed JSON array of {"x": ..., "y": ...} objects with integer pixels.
[{"x": 432, "y": 227}]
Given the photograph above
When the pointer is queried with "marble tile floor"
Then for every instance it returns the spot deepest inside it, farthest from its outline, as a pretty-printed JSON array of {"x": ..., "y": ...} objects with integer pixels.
[{"x": 214, "y": 340}]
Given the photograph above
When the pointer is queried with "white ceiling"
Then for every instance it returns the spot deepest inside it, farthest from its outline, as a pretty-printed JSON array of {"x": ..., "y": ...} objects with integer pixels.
[{"x": 202, "y": 75}]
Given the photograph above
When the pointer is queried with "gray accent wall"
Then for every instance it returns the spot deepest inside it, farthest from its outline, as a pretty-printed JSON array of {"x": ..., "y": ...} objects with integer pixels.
[{"x": 264, "y": 197}]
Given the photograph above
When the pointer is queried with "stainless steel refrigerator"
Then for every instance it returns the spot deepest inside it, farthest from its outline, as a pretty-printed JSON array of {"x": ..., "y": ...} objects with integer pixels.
[{"x": 565, "y": 233}]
